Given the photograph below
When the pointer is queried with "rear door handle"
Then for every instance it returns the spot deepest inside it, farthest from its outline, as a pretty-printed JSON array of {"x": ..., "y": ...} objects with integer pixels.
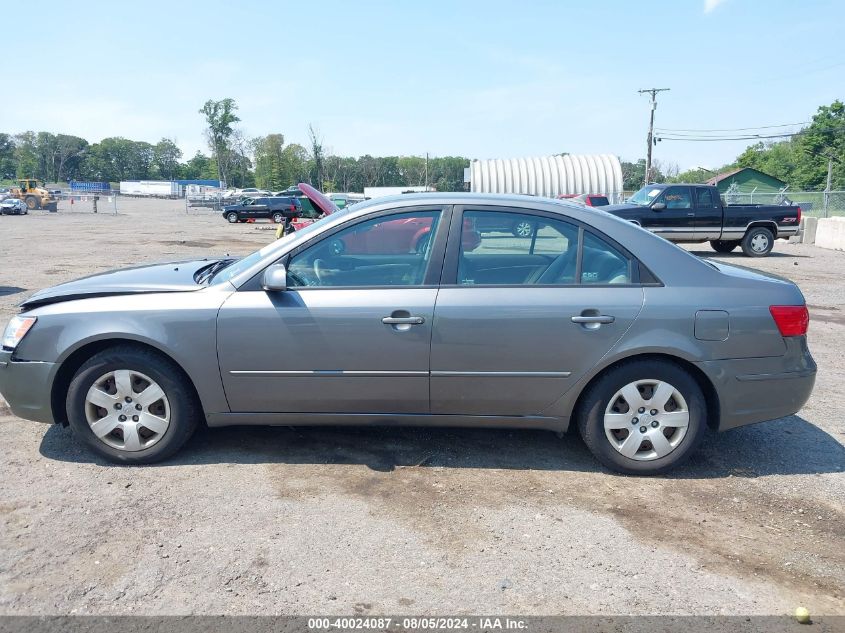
[
  {"x": 410, "y": 320},
  {"x": 599, "y": 318}
]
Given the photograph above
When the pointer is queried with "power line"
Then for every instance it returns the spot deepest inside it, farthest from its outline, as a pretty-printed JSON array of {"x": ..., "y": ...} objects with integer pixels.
[
  {"x": 729, "y": 129},
  {"x": 675, "y": 136}
]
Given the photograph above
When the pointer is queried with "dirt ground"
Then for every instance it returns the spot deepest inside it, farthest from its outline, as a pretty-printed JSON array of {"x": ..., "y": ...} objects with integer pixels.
[{"x": 369, "y": 521}]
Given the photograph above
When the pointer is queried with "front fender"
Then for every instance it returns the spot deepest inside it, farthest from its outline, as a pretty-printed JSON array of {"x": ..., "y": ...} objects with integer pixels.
[{"x": 183, "y": 326}]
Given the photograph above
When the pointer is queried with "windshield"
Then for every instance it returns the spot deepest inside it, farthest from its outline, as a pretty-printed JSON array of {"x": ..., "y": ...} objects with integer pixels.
[
  {"x": 245, "y": 263},
  {"x": 645, "y": 195}
]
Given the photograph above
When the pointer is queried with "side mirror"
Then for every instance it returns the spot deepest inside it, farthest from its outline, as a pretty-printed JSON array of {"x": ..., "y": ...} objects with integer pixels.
[
  {"x": 658, "y": 206},
  {"x": 275, "y": 278}
]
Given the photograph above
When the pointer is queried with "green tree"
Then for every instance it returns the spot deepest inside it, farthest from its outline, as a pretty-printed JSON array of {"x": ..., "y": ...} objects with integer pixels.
[
  {"x": 200, "y": 166},
  {"x": 267, "y": 151},
  {"x": 220, "y": 117},
  {"x": 68, "y": 151},
  {"x": 166, "y": 156},
  {"x": 824, "y": 139},
  {"x": 26, "y": 157},
  {"x": 7, "y": 156}
]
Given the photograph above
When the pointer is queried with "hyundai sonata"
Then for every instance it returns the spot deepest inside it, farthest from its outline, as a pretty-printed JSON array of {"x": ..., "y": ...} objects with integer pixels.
[{"x": 581, "y": 320}]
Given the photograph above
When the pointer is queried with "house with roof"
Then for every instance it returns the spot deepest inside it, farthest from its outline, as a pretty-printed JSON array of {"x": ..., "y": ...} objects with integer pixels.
[{"x": 746, "y": 179}]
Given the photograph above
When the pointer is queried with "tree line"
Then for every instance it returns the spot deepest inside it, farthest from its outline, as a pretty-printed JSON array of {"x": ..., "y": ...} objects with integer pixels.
[{"x": 268, "y": 162}]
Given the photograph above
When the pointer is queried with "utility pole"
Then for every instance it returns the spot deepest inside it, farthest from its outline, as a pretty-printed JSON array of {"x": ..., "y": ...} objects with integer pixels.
[
  {"x": 426, "y": 171},
  {"x": 653, "y": 92},
  {"x": 827, "y": 188}
]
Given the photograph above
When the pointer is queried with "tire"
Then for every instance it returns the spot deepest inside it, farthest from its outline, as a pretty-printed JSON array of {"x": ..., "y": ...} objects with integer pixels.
[
  {"x": 278, "y": 218},
  {"x": 607, "y": 444},
  {"x": 32, "y": 202},
  {"x": 758, "y": 242},
  {"x": 175, "y": 414},
  {"x": 232, "y": 217},
  {"x": 724, "y": 246},
  {"x": 522, "y": 228}
]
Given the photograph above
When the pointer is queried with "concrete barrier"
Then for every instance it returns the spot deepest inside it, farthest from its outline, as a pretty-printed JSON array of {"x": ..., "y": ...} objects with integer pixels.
[
  {"x": 809, "y": 227},
  {"x": 831, "y": 233}
]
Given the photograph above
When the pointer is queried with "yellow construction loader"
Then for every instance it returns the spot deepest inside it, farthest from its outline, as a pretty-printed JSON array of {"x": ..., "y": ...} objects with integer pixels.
[{"x": 33, "y": 196}]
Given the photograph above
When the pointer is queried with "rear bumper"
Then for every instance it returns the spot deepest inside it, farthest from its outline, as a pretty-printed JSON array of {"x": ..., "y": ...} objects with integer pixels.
[
  {"x": 759, "y": 389},
  {"x": 25, "y": 385}
]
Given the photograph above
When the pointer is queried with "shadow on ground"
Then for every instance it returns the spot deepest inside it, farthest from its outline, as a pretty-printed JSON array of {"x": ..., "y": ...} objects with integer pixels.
[
  {"x": 739, "y": 257},
  {"x": 786, "y": 446}
]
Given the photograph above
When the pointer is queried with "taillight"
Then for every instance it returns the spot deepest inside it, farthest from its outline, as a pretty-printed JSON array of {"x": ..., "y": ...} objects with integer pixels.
[
  {"x": 799, "y": 216},
  {"x": 791, "y": 320}
]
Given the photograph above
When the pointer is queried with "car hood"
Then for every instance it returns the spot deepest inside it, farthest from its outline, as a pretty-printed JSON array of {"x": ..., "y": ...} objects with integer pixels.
[
  {"x": 319, "y": 200},
  {"x": 168, "y": 277},
  {"x": 613, "y": 208}
]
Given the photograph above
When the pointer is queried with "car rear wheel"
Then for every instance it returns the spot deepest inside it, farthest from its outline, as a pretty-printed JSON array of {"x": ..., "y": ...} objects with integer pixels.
[
  {"x": 724, "y": 246},
  {"x": 131, "y": 405},
  {"x": 232, "y": 217},
  {"x": 278, "y": 218},
  {"x": 643, "y": 417},
  {"x": 758, "y": 242}
]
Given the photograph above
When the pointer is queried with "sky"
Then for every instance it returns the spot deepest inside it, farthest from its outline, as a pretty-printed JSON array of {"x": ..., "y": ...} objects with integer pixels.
[{"x": 481, "y": 79}]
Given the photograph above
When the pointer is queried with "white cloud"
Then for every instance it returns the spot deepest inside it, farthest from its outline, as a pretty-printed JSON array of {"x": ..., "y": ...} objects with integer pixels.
[{"x": 710, "y": 5}]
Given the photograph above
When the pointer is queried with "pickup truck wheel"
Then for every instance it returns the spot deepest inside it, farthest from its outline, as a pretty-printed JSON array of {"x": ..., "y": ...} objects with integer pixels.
[
  {"x": 278, "y": 218},
  {"x": 232, "y": 217},
  {"x": 643, "y": 417},
  {"x": 131, "y": 405},
  {"x": 758, "y": 242},
  {"x": 724, "y": 246}
]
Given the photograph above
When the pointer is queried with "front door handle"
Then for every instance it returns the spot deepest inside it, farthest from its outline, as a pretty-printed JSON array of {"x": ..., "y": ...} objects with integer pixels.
[
  {"x": 598, "y": 318},
  {"x": 409, "y": 320}
]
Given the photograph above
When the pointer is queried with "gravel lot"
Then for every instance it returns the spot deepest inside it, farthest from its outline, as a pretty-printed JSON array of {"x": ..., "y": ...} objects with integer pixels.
[{"x": 346, "y": 521}]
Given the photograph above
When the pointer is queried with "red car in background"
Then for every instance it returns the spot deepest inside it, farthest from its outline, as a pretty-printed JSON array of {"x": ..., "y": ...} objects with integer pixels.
[
  {"x": 397, "y": 237},
  {"x": 587, "y": 199}
]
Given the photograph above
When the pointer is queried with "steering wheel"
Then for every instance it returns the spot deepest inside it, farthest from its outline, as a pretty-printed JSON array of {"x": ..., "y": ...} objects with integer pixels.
[{"x": 319, "y": 270}]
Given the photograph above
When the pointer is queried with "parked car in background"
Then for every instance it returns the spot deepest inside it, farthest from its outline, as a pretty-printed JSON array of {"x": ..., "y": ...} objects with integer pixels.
[
  {"x": 241, "y": 194},
  {"x": 13, "y": 206},
  {"x": 696, "y": 213},
  {"x": 4, "y": 193},
  {"x": 589, "y": 322},
  {"x": 592, "y": 200},
  {"x": 276, "y": 209}
]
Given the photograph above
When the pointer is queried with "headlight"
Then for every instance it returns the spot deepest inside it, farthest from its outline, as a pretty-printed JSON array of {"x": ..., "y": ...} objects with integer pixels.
[{"x": 16, "y": 330}]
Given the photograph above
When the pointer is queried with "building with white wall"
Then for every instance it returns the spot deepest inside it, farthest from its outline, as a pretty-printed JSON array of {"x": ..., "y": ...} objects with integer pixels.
[{"x": 549, "y": 176}]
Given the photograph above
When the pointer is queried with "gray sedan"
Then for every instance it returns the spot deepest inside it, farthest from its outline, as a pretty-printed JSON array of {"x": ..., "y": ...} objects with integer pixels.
[{"x": 402, "y": 311}]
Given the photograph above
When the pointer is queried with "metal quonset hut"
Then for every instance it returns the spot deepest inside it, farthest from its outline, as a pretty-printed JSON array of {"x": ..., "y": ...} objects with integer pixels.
[{"x": 549, "y": 176}]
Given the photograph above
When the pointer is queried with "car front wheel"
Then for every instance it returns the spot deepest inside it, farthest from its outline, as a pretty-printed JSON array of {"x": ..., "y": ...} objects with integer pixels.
[
  {"x": 643, "y": 417},
  {"x": 758, "y": 242},
  {"x": 131, "y": 405},
  {"x": 232, "y": 217}
]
